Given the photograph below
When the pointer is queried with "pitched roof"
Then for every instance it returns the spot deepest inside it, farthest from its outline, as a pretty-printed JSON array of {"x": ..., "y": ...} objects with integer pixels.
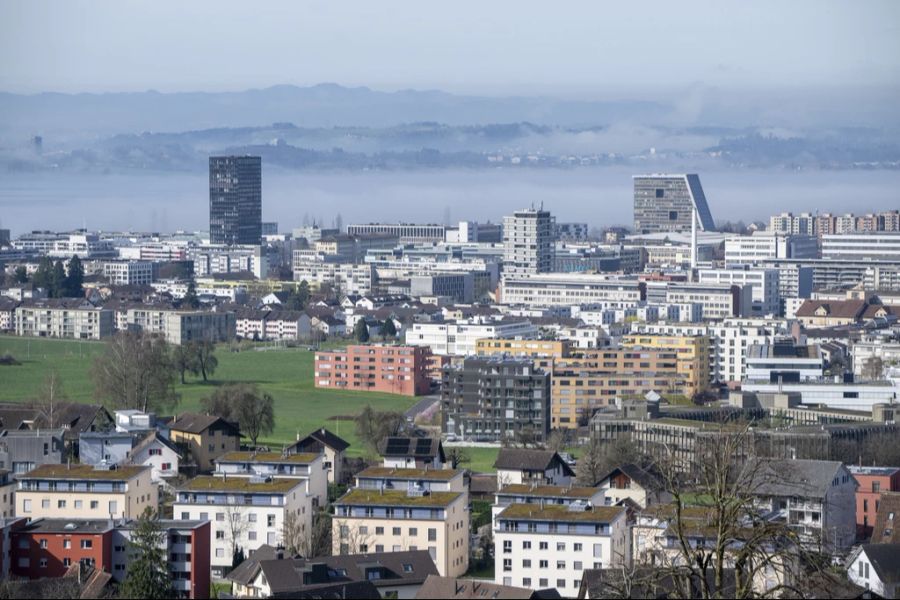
[
  {"x": 451, "y": 587},
  {"x": 887, "y": 520},
  {"x": 197, "y": 423},
  {"x": 885, "y": 558},
  {"x": 326, "y": 438},
  {"x": 836, "y": 309},
  {"x": 649, "y": 479},
  {"x": 150, "y": 439},
  {"x": 412, "y": 446},
  {"x": 246, "y": 572},
  {"x": 520, "y": 459},
  {"x": 803, "y": 478}
]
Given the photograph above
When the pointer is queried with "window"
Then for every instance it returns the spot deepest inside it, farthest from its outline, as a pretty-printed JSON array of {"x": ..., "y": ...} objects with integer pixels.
[
  {"x": 220, "y": 517},
  {"x": 379, "y": 531},
  {"x": 598, "y": 550},
  {"x": 560, "y": 583},
  {"x": 67, "y": 544},
  {"x": 542, "y": 582},
  {"x": 85, "y": 544},
  {"x": 43, "y": 563},
  {"x": 876, "y": 486},
  {"x": 507, "y": 565},
  {"x": 270, "y": 520},
  {"x": 432, "y": 534},
  {"x": 507, "y": 546},
  {"x": 542, "y": 546},
  {"x": 395, "y": 531},
  {"x": 220, "y": 535},
  {"x": 578, "y": 547},
  {"x": 95, "y": 504},
  {"x": 43, "y": 543},
  {"x": 560, "y": 546},
  {"x": 560, "y": 564},
  {"x": 526, "y": 545},
  {"x": 413, "y": 531},
  {"x": 113, "y": 507},
  {"x": 543, "y": 564},
  {"x": 79, "y": 504},
  {"x": 26, "y": 506},
  {"x": 220, "y": 552},
  {"x": 526, "y": 563},
  {"x": 251, "y": 535},
  {"x": 45, "y": 503},
  {"x": 526, "y": 582},
  {"x": 251, "y": 518},
  {"x": 578, "y": 565}
]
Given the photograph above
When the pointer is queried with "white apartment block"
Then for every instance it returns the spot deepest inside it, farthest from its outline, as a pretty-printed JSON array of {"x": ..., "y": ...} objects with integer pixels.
[
  {"x": 179, "y": 327},
  {"x": 789, "y": 223},
  {"x": 82, "y": 245},
  {"x": 128, "y": 272},
  {"x": 302, "y": 465},
  {"x": 764, "y": 282},
  {"x": 350, "y": 278},
  {"x": 567, "y": 289},
  {"x": 63, "y": 318},
  {"x": 862, "y": 246},
  {"x": 764, "y": 245},
  {"x": 214, "y": 259},
  {"x": 550, "y": 546},
  {"x": 244, "y": 511},
  {"x": 527, "y": 242},
  {"x": 460, "y": 338},
  {"x": 864, "y": 352}
]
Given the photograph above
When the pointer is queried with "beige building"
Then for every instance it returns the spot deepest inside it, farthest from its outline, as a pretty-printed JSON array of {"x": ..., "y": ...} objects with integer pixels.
[
  {"x": 85, "y": 492},
  {"x": 63, "y": 318},
  {"x": 180, "y": 327},
  {"x": 523, "y": 348},
  {"x": 205, "y": 437},
  {"x": 397, "y": 520}
]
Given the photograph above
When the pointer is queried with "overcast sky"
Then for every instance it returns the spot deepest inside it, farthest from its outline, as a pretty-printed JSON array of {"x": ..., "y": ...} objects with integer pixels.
[{"x": 584, "y": 49}]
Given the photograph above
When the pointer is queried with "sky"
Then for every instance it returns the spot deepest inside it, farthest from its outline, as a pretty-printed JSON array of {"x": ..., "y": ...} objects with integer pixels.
[{"x": 575, "y": 49}]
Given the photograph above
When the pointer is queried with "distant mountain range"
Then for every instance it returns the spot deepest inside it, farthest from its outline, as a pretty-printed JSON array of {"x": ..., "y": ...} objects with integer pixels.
[{"x": 323, "y": 105}]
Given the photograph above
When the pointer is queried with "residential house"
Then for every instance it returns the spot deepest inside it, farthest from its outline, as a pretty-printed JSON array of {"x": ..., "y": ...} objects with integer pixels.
[
  {"x": 477, "y": 589},
  {"x": 322, "y": 441},
  {"x": 642, "y": 486},
  {"x": 204, "y": 437},
  {"x": 308, "y": 466},
  {"x": 542, "y": 467},
  {"x": 876, "y": 567},
  {"x": 413, "y": 452}
]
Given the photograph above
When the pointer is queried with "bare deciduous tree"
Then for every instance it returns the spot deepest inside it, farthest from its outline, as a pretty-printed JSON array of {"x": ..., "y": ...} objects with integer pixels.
[
  {"x": 308, "y": 542},
  {"x": 136, "y": 371}
]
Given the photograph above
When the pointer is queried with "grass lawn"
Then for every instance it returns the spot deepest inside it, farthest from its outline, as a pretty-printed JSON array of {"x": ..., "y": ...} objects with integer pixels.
[
  {"x": 284, "y": 373},
  {"x": 482, "y": 459}
]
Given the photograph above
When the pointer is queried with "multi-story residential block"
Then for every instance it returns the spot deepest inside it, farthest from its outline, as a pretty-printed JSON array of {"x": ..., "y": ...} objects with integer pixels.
[
  {"x": 520, "y": 348},
  {"x": 235, "y": 200},
  {"x": 7, "y": 495},
  {"x": 567, "y": 289},
  {"x": 348, "y": 278},
  {"x": 81, "y": 244},
  {"x": 570, "y": 232},
  {"x": 669, "y": 203},
  {"x": 85, "y": 492},
  {"x": 532, "y": 467},
  {"x": 330, "y": 446},
  {"x": 374, "y": 368},
  {"x": 245, "y": 512},
  {"x": 204, "y": 437},
  {"x": 764, "y": 283},
  {"x": 213, "y": 259},
  {"x": 541, "y": 495},
  {"x": 802, "y": 224},
  {"x": 495, "y": 399},
  {"x": 868, "y": 356},
  {"x": 873, "y": 482},
  {"x": 128, "y": 272},
  {"x": 182, "y": 326},
  {"x": 527, "y": 242},
  {"x": 405, "y": 232},
  {"x": 274, "y": 464},
  {"x": 550, "y": 546},
  {"x": 692, "y": 355},
  {"x": 401, "y": 520},
  {"x": 414, "y": 480},
  {"x": 63, "y": 318},
  {"x": 47, "y": 548},
  {"x": 461, "y": 337}
]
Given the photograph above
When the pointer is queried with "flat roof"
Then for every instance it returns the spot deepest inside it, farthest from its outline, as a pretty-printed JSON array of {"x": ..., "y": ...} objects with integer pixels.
[
  {"x": 209, "y": 483},
  {"x": 557, "y": 512},
  {"x": 84, "y": 472},
  {"x": 398, "y": 498},
  {"x": 397, "y": 473},
  {"x": 548, "y": 491},
  {"x": 268, "y": 457},
  {"x": 73, "y": 526}
]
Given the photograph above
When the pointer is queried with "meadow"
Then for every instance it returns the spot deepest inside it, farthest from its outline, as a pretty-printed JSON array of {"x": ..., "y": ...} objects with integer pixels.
[{"x": 285, "y": 373}]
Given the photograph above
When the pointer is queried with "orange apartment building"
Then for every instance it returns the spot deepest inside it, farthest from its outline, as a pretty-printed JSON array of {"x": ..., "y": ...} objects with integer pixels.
[
  {"x": 873, "y": 481},
  {"x": 375, "y": 368}
]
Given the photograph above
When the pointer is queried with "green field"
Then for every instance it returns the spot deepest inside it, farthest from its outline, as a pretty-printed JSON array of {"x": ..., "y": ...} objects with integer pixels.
[{"x": 284, "y": 373}]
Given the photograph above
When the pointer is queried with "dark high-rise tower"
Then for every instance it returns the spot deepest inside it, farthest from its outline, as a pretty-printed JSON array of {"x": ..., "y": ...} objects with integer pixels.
[{"x": 235, "y": 200}]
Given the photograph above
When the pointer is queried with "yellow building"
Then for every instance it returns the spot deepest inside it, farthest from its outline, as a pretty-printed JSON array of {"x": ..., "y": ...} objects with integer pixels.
[
  {"x": 523, "y": 348},
  {"x": 205, "y": 437},
  {"x": 398, "y": 520},
  {"x": 85, "y": 492},
  {"x": 692, "y": 355}
]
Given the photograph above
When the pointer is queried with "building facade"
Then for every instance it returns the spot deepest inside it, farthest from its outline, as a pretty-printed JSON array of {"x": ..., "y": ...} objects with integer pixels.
[
  {"x": 668, "y": 203},
  {"x": 235, "y": 200},
  {"x": 374, "y": 368}
]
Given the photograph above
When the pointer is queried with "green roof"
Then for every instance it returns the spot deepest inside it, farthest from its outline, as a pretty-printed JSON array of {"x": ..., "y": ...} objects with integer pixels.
[
  {"x": 362, "y": 497},
  {"x": 547, "y": 491},
  {"x": 268, "y": 457},
  {"x": 558, "y": 512},
  {"x": 395, "y": 473},
  {"x": 208, "y": 483},
  {"x": 79, "y": 471}
]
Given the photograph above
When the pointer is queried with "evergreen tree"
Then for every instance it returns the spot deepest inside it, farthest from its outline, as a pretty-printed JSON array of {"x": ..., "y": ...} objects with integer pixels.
[
  {"x": 58, "y": 280},
  {"x": 389, "y": 329},
  {"x": 148, "y": 573},
  {"x": 191, "y": 300},
  {"x": 361, "y": 331},
  {"x": 238, "y": 557},
  {"x": 74, "y": 284},
  {"x": 20, "y": 275},
  {"x": 42, "y": 275}
]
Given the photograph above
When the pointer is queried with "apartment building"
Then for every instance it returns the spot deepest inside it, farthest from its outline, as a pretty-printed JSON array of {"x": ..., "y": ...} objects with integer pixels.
[
  {"x": 63, "y": 318},
  {"x": 205, "y": 437},
  {"x": 85, "y": 492},
  {"x": 544, "y": 495},
  {"x": 221, "y": 259},
  {"x": 374, "y": 368},
  {"x": 719, "y": 300},
  {"x": 460, "y": 338},
  {"x": 401, "y": 520},
  {"x": 180, "y": 327},
  {"x": 519, "y": 348},
  {"x": 691, "y": 355},
  {"x": 302, "y": 465},
  {"x": 789, "y": 223},
  {"x": 785, "y": 362},
  {"x": 550, "y": 546},
  {"x": 873, "y": 482},
  {"x": 458, "y": 286},
  {"x": 411, "y": 479},
  {"x": 765, "y": 297},
  {"x": 47, "y": 548},
  {"x": 567, "y": 289},
  {"x": 593, "y": 379},
  {"x": 495, "y": 399},
  {"x": 349, "y": 278},
  {"x": 528, "y": 238},
  {"x": 244, "y": 512},
  {"x": 128, "y": 272}
]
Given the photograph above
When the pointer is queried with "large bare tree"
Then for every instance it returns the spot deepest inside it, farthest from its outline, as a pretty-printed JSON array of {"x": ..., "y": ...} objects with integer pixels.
[
  {"x": 136, "y": 371},
  {"x": 245, "y": 404}
]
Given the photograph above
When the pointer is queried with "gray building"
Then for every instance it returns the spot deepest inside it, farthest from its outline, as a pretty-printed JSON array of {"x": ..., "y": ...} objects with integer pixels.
[
  {"x": 459, "y": 286},
  {"x": 113, "y": 447},
  {"x": 666, "y": 203},
  {"x": 23, "y": 450},
  {"x": 491, "y": 399},
  {"x": 528, "y": 242},
  {"x": 235, "y": 200}
]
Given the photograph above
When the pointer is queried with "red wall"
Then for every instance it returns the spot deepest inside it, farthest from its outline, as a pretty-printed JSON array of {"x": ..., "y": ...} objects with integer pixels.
[
  {"x": 867, "y": 501},
  {"x": 101, "y": 552},
  {"x": 200, "y": 559}
]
